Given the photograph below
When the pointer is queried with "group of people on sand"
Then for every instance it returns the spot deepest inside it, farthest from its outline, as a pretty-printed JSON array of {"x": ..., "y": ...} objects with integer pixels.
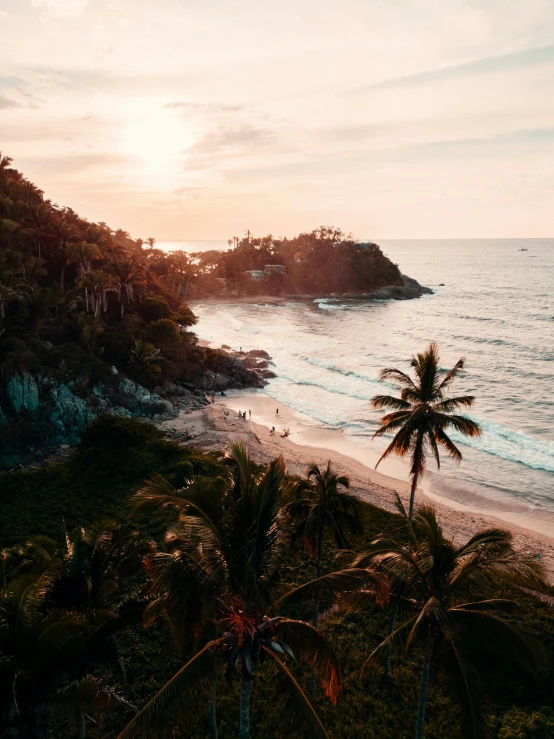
[
  {"x": 286, "y": 431},
  {"x": 272, "y": 432}
]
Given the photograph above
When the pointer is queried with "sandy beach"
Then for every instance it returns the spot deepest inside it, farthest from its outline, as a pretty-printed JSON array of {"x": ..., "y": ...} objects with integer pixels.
[{"x": 217, "y": 424}]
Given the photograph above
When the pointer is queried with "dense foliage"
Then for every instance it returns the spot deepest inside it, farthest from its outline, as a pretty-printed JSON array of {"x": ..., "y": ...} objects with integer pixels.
[
  {"x": 75, "y": 294},
  {"x": 317, "y": 263},
  {"x": 99, "y": 480}
]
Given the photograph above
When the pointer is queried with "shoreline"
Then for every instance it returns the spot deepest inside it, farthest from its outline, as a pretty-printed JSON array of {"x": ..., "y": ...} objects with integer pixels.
[{"x": 214, "y": 426}]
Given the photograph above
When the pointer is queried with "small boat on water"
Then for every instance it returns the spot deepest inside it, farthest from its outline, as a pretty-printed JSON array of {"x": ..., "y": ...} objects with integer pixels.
[{"x": 523, "y": 249}]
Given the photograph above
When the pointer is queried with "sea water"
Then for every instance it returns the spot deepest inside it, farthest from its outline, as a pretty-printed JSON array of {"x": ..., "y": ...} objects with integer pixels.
[{"x": 493, "y": 304}]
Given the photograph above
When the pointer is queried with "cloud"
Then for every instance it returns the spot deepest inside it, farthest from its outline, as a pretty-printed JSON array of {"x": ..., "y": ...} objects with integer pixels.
[
  {"x": 241, "y": 138},
  {"x": 60, "y": 8},
  {"x": 205, "y": 107},
  {"x": 522, "y": 59},
  {"x": 5, "y": 103}
]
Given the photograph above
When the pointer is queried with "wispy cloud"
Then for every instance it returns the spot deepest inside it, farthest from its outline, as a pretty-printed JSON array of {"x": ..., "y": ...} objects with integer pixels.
[
  {"x": 60, "y": 8},
  {"x": 205, "y": 107},
  {"x": 517, "y": 60},
  {"x": 231, "y": 139},
  {"x": 6, "y": 103}
]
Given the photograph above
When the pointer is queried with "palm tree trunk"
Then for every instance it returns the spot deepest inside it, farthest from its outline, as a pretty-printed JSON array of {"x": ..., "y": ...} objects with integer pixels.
[
  {"x": 315, "y": 613},
  {"x": 213, "y": 714},
  {"x": 81, "y": 726},
  {"x": 416, "y": 467},
  {"x": 245, "y": 685},
  {"x": 388, "y": 657},
  {"x": 423, "y": 687}
]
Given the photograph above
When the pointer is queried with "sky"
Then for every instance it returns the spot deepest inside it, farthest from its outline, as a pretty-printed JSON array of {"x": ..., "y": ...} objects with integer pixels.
[{"x": 199, "y": 119}]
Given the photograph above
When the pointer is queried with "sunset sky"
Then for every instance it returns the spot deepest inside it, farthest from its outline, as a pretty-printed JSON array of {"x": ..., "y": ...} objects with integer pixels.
[{"x": 198, "y": 119}]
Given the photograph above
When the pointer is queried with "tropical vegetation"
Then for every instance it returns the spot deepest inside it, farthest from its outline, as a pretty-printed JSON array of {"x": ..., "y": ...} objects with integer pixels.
[{"x": 220, "y": 597}]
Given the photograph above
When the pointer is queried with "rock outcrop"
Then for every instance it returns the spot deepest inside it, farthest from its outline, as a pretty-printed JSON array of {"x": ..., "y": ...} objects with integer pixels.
[
  {"x": 69, "y": 414},
  {"x": 51, "y": 407},
  {"x": 142, "y": 402},
  {"x": 408, "y": 291},
  {"x": 22, "y": 392}
]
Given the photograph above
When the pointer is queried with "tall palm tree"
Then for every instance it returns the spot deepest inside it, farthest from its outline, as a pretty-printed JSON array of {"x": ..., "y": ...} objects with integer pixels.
[
  {"x": 131, "y": 275},
  {"x": 83, "y": 254},
  {"x": 443, "y": 591},
  {"x": 225, "y": 567},
  {"x": 422, "y": 414},
  {"x": 321, "y": 505}
]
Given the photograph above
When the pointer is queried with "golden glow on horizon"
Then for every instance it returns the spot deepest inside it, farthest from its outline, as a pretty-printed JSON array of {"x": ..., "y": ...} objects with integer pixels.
[
  {"x": 417, "y": 118},
  {"x": 157, "y": 140}
]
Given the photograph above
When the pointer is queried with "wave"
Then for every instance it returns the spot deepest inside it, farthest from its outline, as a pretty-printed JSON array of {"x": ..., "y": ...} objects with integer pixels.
[
  {"x": 497, "y": 440},
  {"x": 513, "y": 446},
  {"x": 331, "y": 306}
]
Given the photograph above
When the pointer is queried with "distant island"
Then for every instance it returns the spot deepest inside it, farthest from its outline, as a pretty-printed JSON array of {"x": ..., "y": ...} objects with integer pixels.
[
  {"x": 94, "y": 321},
  {"x": 323, "y": 263}
]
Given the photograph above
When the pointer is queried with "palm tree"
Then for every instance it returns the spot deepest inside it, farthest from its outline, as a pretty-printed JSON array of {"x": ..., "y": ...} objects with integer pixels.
[
  {"x": 83, "y": 254},
  {"x": 224, "y": 567},
  {"x": 322, "y": 505},
  {"x": 151, "y": 241},
  {"x": 40, "y": 647},
  {"x": 131, "y": 275},
  {"x": 442, "y": 589},
  {"x": 422, "y": 413}
]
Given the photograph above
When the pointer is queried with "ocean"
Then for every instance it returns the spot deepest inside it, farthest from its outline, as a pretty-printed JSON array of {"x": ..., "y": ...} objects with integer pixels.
[{"x": 493, "y": 304}]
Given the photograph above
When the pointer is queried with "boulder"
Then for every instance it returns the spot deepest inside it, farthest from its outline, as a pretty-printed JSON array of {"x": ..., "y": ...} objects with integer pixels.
[
  {"x": 22, "y": 391},
  {"x": 259, "y": 353},
  {"x": 69, "y": 414},
  {"x": 142, "y": 402}
]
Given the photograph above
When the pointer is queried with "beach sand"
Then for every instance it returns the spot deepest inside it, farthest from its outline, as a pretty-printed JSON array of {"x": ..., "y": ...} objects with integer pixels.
[{"x": 217, "y": 424}]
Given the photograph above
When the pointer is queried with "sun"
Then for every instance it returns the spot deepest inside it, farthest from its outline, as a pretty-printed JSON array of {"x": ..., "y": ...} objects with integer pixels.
[{"x": 156, "y": 139}]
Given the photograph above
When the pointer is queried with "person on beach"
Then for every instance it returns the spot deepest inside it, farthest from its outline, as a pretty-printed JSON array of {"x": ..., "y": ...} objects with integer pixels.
[
  {"x": 272, "y": 432},
  {"x": 249, "y": 413},
  {"x": 277, "y": 412}
]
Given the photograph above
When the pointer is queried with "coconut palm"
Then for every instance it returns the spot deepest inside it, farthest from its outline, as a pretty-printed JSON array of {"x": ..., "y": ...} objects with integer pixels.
[
  {"x": 443, "y": 591},
  {"x": 223, "y": 567},
  {"x": 40, "y": 647},
  {"x": 422, "y": 414},
  {"x": 321, "y": 505}
]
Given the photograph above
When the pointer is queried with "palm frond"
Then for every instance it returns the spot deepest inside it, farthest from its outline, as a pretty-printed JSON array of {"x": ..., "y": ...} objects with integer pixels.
[
  {"x": 389, "y": 641},
  {"x": 462, "y": 424},
  {"x": 310, "y": 646},
  {"x": 87, "y": 696},
  {"x": 454, "y": 404},
  {"x": 177, "y": 696},
  {"x": 445, "y": 441},
  {"x": 473, "y": 716},
  {"x": 501, "y": 635},
  {"x": 389, "y": 401},
  {"x": 300, "y": 717},
  {"x": 338, "y": 583},
  {"x": 397, "y": 377},
  {"x": 451, "y": 375}
]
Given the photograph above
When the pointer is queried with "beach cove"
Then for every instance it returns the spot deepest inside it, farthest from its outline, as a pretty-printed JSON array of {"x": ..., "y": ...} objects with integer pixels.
[{"x": 215, "y": 426}]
